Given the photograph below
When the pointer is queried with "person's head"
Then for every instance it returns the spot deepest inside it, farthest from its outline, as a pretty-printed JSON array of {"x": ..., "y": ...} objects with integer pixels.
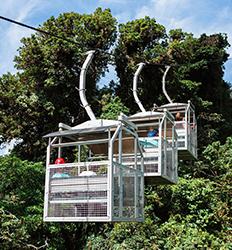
[
  {"x": 177, "y": 116},
  {"x": 183, "y": 119},
  {"x": 59, "y": 170},
  {"x": 59, "y": 161}
]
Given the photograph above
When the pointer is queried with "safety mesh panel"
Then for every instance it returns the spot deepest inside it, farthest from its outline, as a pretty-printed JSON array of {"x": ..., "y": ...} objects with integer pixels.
[
  {"x": 130, "y": 161},
  {"x": 140, "y": 197},
  {"x": 181, "y": 142},
  {"x": 78, "y": 191},
  {"x": 151, "y": 163},
  {"x": 128, "y": 193},
  {"x": 116, "y": 191},
  {"x": 169, "y": 162},
  {"x": 77, "y": 209},
  {"x": 125, "y": 193}
]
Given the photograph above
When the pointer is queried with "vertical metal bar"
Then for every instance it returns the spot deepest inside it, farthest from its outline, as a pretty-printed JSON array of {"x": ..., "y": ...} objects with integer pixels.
[
  {"x": 110, "y": 183},
  {"x": 160, "y": 150},
  {"x": 79, "y": 153},
  {"x": 120, "y": 175},
  {"x": 165, "y": 146},
  {"x": 136, "y": 181},
  {"x": 173, "y": 153},
  {"x": 186, "y": 130},
  {"x": 60, "y": 149},
  {"x": 47, "y": 178},
  {"x": 136, "y": 153}
]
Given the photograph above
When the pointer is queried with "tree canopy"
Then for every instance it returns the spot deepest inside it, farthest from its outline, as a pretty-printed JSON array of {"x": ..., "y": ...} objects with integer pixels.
[
  {"x": 44, "y": 92},
  {"x": 196, "y": 213}
]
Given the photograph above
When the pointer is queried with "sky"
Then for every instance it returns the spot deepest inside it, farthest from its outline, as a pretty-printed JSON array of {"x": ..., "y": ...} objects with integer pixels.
[{"x": 192, "y": 16}]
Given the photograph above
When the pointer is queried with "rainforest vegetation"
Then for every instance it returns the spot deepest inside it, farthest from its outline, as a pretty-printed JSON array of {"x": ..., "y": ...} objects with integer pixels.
[{"x": 196, "y": 213}]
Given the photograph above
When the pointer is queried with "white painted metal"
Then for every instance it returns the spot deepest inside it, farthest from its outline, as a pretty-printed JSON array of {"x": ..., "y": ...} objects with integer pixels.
[
  {"x": 163, "y": 84},
  {"x": 160, "y": 156},
  {"x": 135, "y": 80},
  {"x": 96, "y": 198},
  {"x": 186, "y": 130},
  {"x": 82, "y": 84}
]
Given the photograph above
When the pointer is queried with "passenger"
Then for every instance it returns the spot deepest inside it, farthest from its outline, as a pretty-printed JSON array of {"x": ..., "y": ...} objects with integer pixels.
[
  {"x": 177, "y": 117},
  {"x": 150, "y": 143},
  {"x": 153, "y": 133},
  {"x": 183, "y": 120},
  {"x": 183, "y": 125},
  {"x": 60, "y": 161},
  {"x": 59, "y": 171},
  {"x": 177, "y": 121}
]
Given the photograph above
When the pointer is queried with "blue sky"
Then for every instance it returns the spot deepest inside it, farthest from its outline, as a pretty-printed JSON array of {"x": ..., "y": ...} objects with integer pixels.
[{"x": 197, "y": 17}]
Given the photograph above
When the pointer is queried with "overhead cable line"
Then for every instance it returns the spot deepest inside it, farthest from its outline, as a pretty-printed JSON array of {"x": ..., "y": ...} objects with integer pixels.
[
  {"x": 92, "y": 48},
  {"x": 45, "y": 32}
]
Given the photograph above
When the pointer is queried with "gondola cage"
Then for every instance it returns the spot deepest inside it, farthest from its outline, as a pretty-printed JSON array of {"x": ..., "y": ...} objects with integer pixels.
[
  {"x": 100, "y": 187},
  {"x": 186, "y": 125},
  {"x": 157, "y": 134}
]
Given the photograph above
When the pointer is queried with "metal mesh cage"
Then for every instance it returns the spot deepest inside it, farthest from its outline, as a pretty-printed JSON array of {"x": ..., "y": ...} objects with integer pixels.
[
  {"x": 128, "y": 194},
  {"x": 78, "y": 191},
  {"x": 97, "y": 188}
]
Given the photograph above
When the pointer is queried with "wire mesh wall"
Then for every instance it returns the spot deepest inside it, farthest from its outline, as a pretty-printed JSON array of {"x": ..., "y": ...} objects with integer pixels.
[{"x": 98, "y": 187}]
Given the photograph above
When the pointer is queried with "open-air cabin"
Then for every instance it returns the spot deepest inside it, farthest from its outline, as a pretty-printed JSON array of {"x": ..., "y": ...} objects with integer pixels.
[
  {"x": 160, "y": 156},
  {"x": 186, "y": 128},
  {"x": 99, "y": 186}
]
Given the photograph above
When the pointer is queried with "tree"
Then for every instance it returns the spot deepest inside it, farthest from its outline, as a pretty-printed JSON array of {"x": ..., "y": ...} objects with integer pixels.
[
  {"x": 195, "y": 214},
  {"x": 21, "y": 211},
  {"x": 43, "y": 93},
  {"x": 142, "y": 40},
  {"x": 112, "y": 107},
  {"x": 196, "y": 74}
]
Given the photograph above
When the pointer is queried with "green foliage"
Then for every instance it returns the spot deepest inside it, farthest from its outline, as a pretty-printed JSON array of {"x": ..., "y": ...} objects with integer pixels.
[
  {"x": 21, "y": 200},
  {"x": 112, "y": 107},
  {"x": 196, "y": 213},
  {"x": 44, "y": 92},
  {"x": 196, "y": 74},
  {"x": 128, "y": 235},
  {"x": 21, "y": 211}
]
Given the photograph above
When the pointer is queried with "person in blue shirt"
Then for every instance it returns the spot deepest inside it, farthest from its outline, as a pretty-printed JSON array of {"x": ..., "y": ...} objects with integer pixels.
[
  {"x": 151, "y": 142},
  {"x": 59, "y": 174},
  {"x": 59, "y": 171}
]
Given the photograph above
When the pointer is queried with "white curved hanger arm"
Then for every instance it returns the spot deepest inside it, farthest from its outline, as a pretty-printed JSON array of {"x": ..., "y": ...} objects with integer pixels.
[
  {"x": 163, "y": 81},
  {"x": 82, "y": 81},
  {"x": 135, "y": 81}
]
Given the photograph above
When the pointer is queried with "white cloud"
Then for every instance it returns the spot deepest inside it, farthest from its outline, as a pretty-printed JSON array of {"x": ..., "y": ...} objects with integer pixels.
[
  {"x": 20, "y": 11},
  {"x": 123, "y": 17},
  {"x": 112, "y": 2}
]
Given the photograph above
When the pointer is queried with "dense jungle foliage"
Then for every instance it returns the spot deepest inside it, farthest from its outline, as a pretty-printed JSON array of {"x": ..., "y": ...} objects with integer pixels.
[{"x": 196, "y": 213}]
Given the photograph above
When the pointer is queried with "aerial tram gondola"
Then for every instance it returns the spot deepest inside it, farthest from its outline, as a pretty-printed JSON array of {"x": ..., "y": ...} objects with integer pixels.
[
  {"x": 101, "y": 188},
  {"x": 157, "y": 134},
  {"x": 185, "y": 124}
]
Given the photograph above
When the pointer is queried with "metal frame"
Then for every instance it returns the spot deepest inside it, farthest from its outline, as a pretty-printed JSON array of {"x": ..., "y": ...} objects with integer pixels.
[
  {"x": 188, "y": 151},
  {"x": 157, "y": 166},
  {"x": 186, "y": 130},
  {"x": 117, "y": 134}
]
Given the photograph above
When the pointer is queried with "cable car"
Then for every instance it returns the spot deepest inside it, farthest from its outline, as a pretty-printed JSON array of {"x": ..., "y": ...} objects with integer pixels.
[
  {"x": 157, "y": 134},
  {"x": 100, "y": 187},
  {"x": 185, "y": 125}
]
